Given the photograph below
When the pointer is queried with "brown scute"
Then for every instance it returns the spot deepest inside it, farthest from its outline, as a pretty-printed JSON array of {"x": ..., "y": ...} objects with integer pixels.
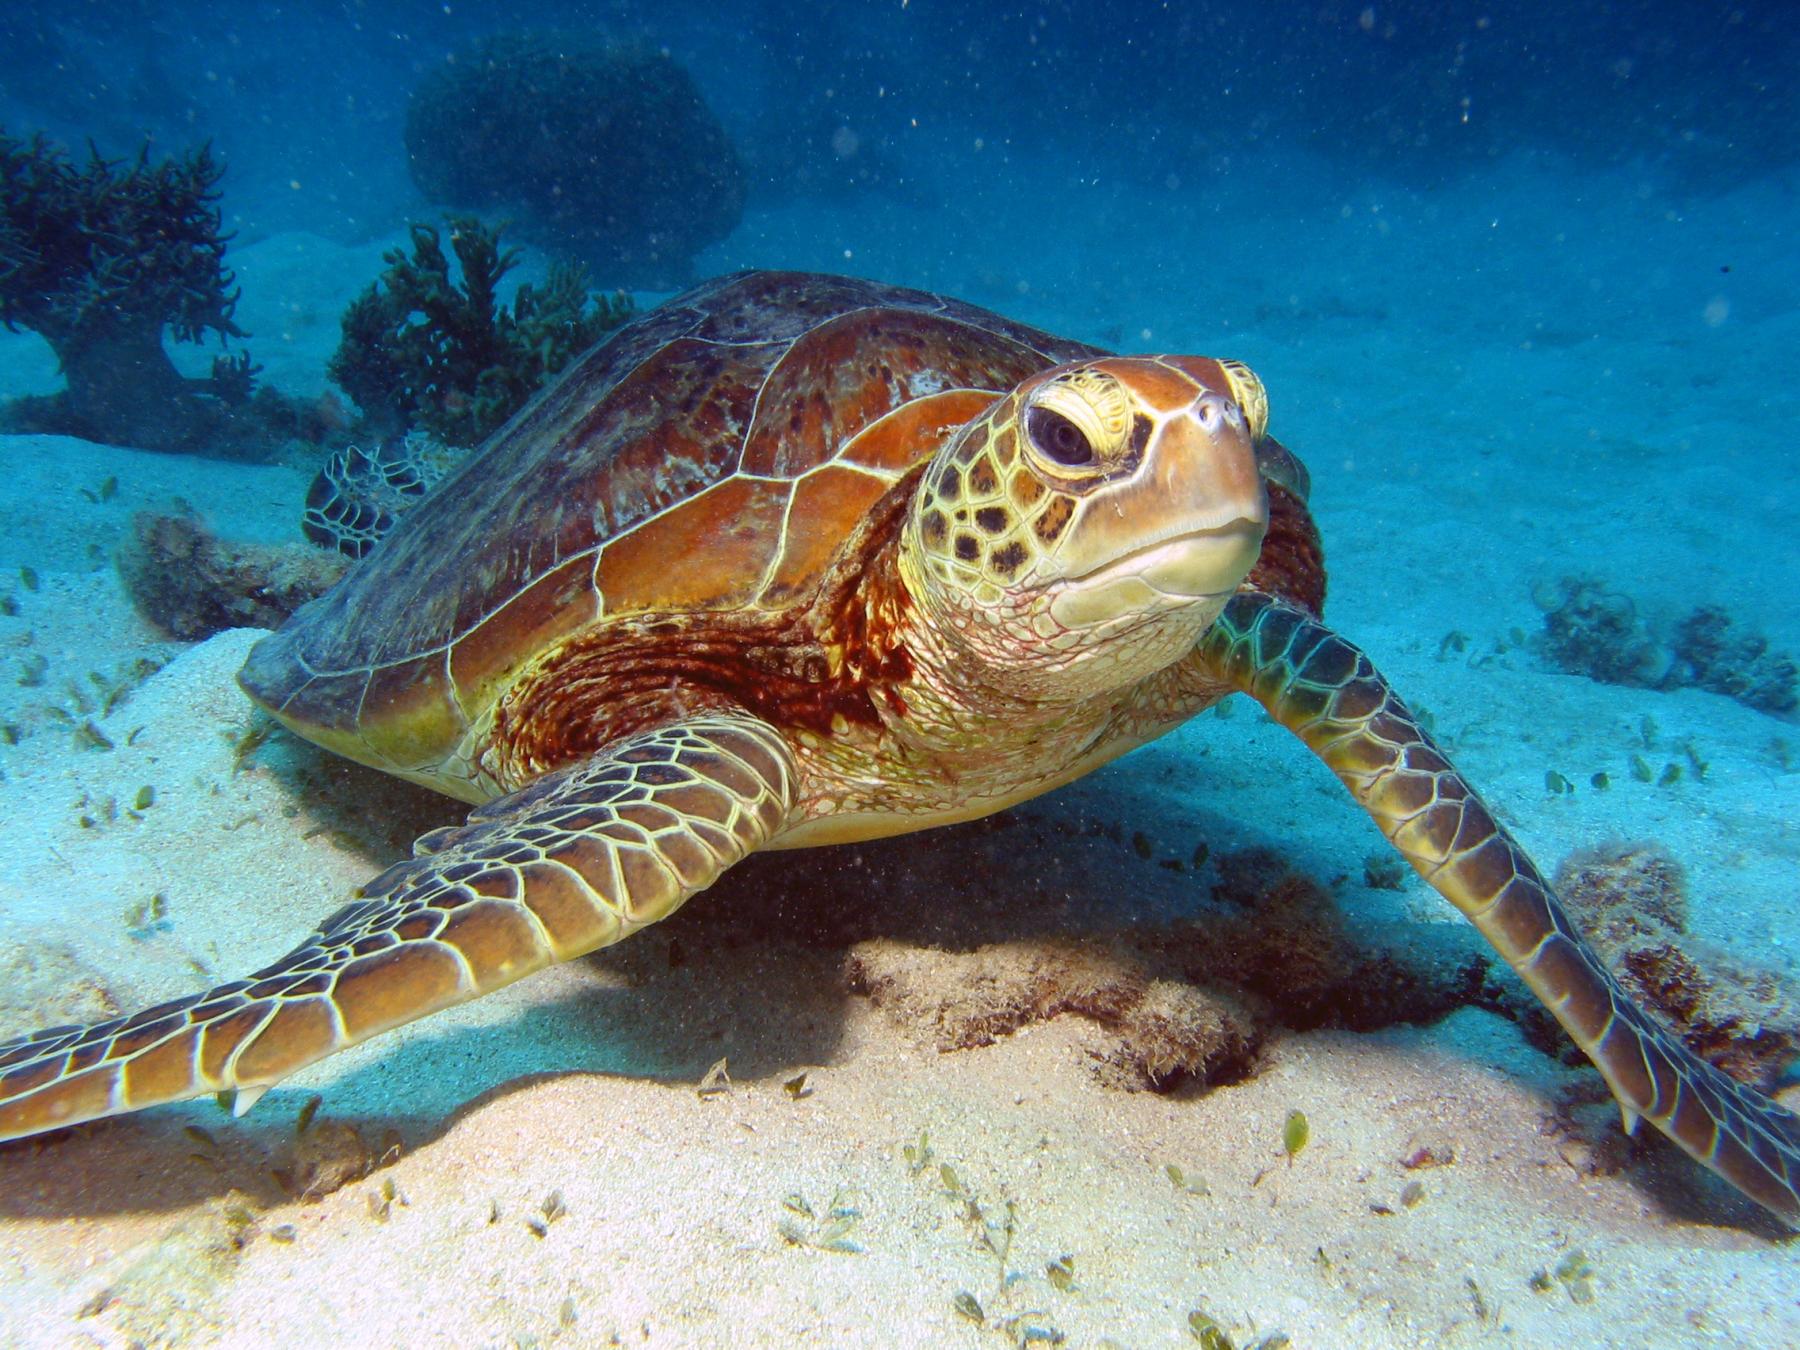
[
  {"x": 1292, "y": 562},
  {"x": 708, "y": 553},
  {"x": 912, "y": 434},
  {"x": 852, "y": 370},
  {"x": 651, "y": 888},
  {"x": 571, "y": 919},
  {"x": 1622, "y": 1054},
  {"x": 328, "y": 701},
  {"x": 1006, "y": 560},
  {"x": 221, "y": 1038},
  {"x": 827, "y": 506},
  {"x": 1026, "y": 488},
  {"x": 497, "y": 942},
  {"x": 17, "y": 1081},
  {"x": 689, "y": 859},
  {"x": 408, "y": 714},
  {"x": 983, "y": 481},
  {"x": 1566, "y": 975},
  {"x": 1168, "y": 384},
  {"x": 936, "y": 528},
  {"x": 80, "y": 1098},
  {"x": 1140, "y": 437}
]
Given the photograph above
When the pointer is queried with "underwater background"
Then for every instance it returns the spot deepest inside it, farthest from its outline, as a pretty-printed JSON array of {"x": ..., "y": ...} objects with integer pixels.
[{"x": 1523, "y": 285}]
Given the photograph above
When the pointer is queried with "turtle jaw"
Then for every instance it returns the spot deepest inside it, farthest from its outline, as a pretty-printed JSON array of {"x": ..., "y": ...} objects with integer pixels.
[{"x": 1199, "y": 569}]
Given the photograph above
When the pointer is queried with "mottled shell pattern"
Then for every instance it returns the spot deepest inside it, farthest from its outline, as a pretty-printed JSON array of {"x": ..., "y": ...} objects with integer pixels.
[{"x": 713, "y": 456}]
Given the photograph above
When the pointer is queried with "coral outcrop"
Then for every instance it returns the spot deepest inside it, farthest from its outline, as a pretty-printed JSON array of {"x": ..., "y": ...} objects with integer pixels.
[
  {"x": 192, "y": 585},
  {"x": 1632, "y": 901},
  {"x": 100, "y": 259},
  {"x": 605, "y": 150},
  {"x": 1593, "y": 631},
  {"x": 431, "y": 346}
]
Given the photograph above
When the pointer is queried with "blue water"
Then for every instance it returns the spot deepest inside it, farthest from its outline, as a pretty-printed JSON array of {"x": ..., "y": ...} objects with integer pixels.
[{"x": 1523, "y": 282}]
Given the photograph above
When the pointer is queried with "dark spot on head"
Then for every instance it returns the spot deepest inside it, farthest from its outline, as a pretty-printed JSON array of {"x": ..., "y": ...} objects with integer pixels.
[
  {"x": 949, "y": 481},
  {"x": 1008, "y": 559},
  {"x": 935, "y": 528},
  {"x": 966, "y": 547},
  {"x": 991, "y": 519},
  {"x": 982, "y": 481},
  {"x": 1055, "y": 519}
]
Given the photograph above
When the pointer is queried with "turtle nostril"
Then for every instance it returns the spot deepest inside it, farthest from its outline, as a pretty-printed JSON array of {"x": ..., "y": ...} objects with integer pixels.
[{"x": 1209, "y": 414}]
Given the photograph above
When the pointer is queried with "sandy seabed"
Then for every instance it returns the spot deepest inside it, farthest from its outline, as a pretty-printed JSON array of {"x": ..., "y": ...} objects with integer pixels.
[{"x": 1484, "y": 410}]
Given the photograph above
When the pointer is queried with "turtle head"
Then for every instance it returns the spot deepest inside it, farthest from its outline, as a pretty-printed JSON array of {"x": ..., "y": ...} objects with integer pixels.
[{"x": 1088, "y": 527}]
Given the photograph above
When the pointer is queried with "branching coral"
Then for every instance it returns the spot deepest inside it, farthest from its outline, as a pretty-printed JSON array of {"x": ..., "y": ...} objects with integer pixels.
[
  {"x": 99, "y": 259},
  {"x": 428, "y": 348}
]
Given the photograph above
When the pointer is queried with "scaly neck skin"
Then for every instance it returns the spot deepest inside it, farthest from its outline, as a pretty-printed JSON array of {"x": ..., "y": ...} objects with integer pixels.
[{"x": 983, "y": 674}]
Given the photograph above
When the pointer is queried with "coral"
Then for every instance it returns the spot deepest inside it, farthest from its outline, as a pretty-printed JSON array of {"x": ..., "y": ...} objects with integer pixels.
[
  {"x": 1592, "y": 631},
  {"x": 1164, "y": 1032},
  {"x": 191, "y": 585},
  {"x": 1712, "y": 652},
  {"x": 1631, "y": 899},
  {"x": 607, "y": 150},
  {"x": 421, "y": 347},
  {"x": 1595, "y": 632},
  {"x": 100, "y": 259},
  {"x": 1183, "y": 1002}
]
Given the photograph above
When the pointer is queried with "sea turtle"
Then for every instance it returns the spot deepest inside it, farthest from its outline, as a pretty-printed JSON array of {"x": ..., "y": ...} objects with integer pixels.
[{"x": 798, "y": 559}]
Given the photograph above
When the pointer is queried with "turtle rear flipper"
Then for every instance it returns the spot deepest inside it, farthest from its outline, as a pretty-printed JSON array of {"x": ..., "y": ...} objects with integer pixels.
[
  {"x": 576, "y": 860},
  {"x": 1330, "y": 695}
]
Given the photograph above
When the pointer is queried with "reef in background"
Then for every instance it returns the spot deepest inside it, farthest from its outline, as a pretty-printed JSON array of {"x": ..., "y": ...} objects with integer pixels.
[
  {"x": 427, "y": 348},
  {"x": 607, "y": 150},
  {"x": 100, "y": 259},
  {"x": 1592, "y": 631}
]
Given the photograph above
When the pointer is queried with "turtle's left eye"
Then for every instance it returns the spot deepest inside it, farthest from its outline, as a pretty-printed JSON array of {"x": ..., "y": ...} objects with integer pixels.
[{"x": 1058, "y": 439}]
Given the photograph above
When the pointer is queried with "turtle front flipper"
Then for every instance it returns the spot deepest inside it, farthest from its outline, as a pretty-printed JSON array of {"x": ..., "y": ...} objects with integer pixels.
[
  {"x": 1329, "y": 694},
  {"x": 576, "y": 860}
]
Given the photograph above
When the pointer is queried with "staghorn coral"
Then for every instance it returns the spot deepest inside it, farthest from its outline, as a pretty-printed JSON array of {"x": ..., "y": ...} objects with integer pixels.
[
  {"x": 423, "y": 347},
  {"x": 100, "y": 259},
  {"x": 606, "y": 150}
]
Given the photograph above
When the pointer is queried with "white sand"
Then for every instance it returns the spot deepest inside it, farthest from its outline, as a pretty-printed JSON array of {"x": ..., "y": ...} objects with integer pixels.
[{"x": 1483, "y": 407}]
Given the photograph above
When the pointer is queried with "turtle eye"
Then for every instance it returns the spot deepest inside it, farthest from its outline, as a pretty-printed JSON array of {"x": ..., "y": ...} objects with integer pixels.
[{"x": 1058, "y": 439}]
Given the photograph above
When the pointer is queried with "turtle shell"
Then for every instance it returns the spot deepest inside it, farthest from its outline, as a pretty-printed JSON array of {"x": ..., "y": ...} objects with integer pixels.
[{"x": 714, "y": 455}]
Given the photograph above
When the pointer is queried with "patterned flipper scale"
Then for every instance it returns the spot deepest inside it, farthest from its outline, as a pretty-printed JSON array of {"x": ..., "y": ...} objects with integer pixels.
[
  {"x": 1329, "y": 694},
  {"x": 576, "y": 860}
]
